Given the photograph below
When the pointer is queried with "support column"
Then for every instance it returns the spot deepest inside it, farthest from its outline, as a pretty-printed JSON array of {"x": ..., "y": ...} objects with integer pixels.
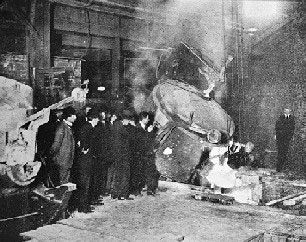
[
  {"x": 38, "y": 44},
  {"x": 46, "y": 34},
  {"x": 116, "y": 51},
  {"x": 115, "y": 64}
]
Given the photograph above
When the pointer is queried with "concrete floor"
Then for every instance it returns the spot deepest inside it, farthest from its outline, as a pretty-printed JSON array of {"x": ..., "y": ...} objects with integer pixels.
[{"x": 171, "y": 216}]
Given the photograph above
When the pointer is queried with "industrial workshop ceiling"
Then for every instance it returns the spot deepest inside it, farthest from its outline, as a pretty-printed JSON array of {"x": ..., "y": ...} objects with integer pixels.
[{"x": 217, "y": 28}]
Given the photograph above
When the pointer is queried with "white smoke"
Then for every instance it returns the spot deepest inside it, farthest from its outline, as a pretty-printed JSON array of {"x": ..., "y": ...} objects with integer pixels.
[{"x": 199, "y": 23}]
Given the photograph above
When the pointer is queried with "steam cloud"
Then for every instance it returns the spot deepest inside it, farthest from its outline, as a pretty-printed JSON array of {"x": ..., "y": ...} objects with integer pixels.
[{"x": 199, "y": 23}]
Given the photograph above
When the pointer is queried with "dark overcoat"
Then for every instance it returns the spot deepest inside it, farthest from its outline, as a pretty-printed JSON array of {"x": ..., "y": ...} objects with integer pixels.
[
  {"x": 63, "y": 149},
  {"x": 121, "y": 161},
  {"x": 284, "y": 128},
  {"x": 102, "y": 158}
]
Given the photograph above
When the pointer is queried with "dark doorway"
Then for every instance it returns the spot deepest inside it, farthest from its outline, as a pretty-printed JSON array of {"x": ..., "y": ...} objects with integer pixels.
[{"x": 97, "y": 68}]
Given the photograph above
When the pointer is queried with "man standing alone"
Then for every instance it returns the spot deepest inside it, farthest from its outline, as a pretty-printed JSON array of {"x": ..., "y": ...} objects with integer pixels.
[{"x": 284, "y": 131}]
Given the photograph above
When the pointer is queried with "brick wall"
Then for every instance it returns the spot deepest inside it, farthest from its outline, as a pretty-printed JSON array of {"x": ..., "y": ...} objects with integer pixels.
[{"x": 15, "y": 67}]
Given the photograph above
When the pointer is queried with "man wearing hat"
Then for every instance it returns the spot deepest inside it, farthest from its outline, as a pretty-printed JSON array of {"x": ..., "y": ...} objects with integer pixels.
[
  {"x": 101, "y": 157},
  {"x": 84, "y": 161},
  {"x": 63, "y": 146}
]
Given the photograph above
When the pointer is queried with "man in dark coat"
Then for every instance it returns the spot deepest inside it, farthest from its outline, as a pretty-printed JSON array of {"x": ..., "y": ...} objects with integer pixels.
[
  {"x": 102, "y": 157},
  {"x": 130, "y": 126},
  {"x": 139, "y": 163},
  {"x": 80, "y": 120},
  {"x": 152, "y": 174},
  {"x": 146, "y": 172},
  {"x": 45, "y": 137},
  {"x": 121, "y": 161},
  {"x": 111, "y": 121},
  {"x": 63, "y": 146},
  {"x": 284, "y": 132},
  {"x": 84, "y": 161}
]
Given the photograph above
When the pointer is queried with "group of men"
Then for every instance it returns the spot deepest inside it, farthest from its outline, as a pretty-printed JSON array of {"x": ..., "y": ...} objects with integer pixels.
[
  {"x": 104, "y": 154},
  {"x": 114, "y": 154}
]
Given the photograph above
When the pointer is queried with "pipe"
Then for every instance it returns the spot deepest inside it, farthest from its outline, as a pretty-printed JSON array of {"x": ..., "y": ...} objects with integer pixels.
[{"x": 18, "y": 217}]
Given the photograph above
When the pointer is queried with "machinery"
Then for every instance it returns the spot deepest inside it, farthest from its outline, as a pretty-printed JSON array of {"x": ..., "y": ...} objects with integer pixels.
[
  {"x": 190, "y": 120},
  {"x": 25, "y": 203},
  {"x": 18, "y": 164}
]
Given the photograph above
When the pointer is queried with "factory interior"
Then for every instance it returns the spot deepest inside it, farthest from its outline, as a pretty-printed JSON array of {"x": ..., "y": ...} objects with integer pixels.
[{"x": 221, "y": 155}]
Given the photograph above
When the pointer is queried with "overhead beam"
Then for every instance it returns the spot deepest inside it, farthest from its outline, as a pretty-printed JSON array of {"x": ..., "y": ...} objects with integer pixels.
[
  {"x": 72, "y": 19},
  {"x": 98, "y": 30},
  {"x": 83, "y": 41},
  {"x": 131, "y": 45},
  {"x": 112, "y": 8}
]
